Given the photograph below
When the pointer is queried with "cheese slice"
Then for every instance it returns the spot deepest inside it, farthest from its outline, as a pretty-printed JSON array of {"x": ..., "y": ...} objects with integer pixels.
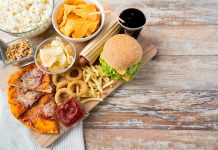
[
  {"x": 127, "y": 78},
  {"x": 121, "y": 72}
]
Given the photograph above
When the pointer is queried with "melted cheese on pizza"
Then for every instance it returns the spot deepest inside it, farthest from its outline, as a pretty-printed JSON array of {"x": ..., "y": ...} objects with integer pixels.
[
  {"x": 48, "y": 109},
  {"x": 27, "y": 98},
  {"x": 30, "y": 79}
]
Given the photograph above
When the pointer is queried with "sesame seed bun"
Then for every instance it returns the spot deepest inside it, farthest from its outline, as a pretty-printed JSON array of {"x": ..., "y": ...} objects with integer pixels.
[{"x": 122, "y": 51}]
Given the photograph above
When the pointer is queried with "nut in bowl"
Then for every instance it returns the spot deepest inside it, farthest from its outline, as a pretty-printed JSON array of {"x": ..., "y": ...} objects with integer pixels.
[
  {"x": 18, "y": 52},
  {"x": 55, "y": 55},
  {"x": 77, "y": 20}
]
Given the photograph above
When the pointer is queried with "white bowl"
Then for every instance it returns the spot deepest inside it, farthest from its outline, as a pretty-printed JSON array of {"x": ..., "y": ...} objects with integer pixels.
[
  {"x": 48, "y": 41},
  {"x": 55, "y": 24}
]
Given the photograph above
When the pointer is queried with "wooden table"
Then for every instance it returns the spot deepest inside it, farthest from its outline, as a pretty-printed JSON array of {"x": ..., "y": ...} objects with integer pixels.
[{"x": 173, "y": 102}]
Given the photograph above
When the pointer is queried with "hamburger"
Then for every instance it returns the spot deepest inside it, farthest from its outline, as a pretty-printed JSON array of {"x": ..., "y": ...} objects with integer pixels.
[{"x": 121, "y": 57}]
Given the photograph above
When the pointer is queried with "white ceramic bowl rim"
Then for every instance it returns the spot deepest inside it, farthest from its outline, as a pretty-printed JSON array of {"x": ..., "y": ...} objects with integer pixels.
[{"x": 43, "y": 42}]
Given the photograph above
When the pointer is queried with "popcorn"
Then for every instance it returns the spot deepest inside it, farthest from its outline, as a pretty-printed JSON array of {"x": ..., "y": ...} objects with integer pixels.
[{"x": 17, "y": 16}]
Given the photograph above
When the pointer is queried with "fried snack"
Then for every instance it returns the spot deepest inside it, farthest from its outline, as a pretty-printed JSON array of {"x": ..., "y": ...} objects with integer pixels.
[
  {"x": 69, "y": 73},
  {"x": 96, "y": 80},
  {"x": 74, "y": 2},
  {"x": 75, "y": 18},
  {"x": 20, "y": 99},
  {"x": 55, "y": 56},
  {"x": 33, "y": 120},
  {"x": 56, "y": 78},
  {"x": 91, "y": 99},
  {"x": 83, "y": 88},
  {"x": 30, "y": 77},
  {"x": 62, "y": 84},
  {"x": 61, "y": 94}
]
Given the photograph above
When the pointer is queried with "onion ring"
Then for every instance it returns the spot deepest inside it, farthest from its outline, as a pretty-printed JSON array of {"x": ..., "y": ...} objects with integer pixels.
[
  {"x": 78, "y": 77},
  {"x": 58, "y": 98},
  {"x": 62, "y": 84},
  {"x": 55, "y": 79},
  {"x": 83, "y": 87}
]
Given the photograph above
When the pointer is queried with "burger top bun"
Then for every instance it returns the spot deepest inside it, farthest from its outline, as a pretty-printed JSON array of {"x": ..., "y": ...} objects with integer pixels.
[{"x": 122, "y": 51}]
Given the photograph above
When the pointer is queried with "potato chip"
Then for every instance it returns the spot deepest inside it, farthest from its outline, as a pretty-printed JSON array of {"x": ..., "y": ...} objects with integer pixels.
[
  {"x": 64, "y": 20},
  {"x": 81, "y": 13},
  {"x": 67, "y": 10},
  {"x": 80, "y": 28},
  {"x": 88, "y": 33},
  {"x": 77, "y": 21},
  {"x": 68, "y": 28},
  {"x": 47, "y": 60},
  {"x": 62, "y": 30},
  {"x": 60, "y": 15},
  {"x": 93, "y": 26},
  {"x": 56, "y": 68},
  {"x": 80, "y": 6},
  {"x": 68, "y": 50},
  {"x": 84, "y": 12},
  {"x": 69, "y": 53},
  {"x": 74, "y": 2},
  {"x": 56, "y": 56},
  {"x": 57, "y": 43},
  {"x": 92, "y": 8},
  {"x": 61, "y": 59},
  {"x": 72, "y": 16},
  {"x": 52, "y": 50}
]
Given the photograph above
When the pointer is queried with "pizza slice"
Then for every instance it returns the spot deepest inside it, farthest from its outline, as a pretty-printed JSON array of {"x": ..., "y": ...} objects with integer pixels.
[
  {"x": 41, "y": 116},
  {"x": 30, "y": 77},
  {"x": 20, "y": 99}
]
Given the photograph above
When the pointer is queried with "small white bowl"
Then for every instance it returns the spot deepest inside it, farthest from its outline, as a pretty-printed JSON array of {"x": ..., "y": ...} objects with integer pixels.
[
  {"x": 55, "y": 24},
  {"x": 48, "y": 41}
]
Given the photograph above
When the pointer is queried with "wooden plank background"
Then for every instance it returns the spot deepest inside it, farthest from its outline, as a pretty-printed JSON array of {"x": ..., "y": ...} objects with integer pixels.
[{"x": 173, "y": 101}]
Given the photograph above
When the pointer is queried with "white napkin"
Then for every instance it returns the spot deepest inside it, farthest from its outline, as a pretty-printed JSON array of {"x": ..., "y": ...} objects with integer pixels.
[{"x": 14, "y": 135}]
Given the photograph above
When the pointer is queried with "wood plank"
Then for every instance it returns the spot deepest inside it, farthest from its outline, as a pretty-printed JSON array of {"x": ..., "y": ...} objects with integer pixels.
[
  {"x": 136, "y": 139},
  {"x": 147, "y": 109},
  {"x": 177, "y": 73},
  {"x": 182, "y": 40},
  {"x": 178, "y": 12}
]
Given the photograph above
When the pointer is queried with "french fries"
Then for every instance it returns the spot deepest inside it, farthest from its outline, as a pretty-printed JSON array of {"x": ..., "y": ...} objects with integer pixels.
[{"x": 97, "y": 82}]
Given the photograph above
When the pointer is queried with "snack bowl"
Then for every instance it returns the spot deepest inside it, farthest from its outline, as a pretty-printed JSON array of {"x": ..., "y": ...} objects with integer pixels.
[
  {"x": 55, "y": 24},
  {"x": 46, "y": 42},
  {"x": 33, "y": 32},
  {"x": 21, "y": 61}
]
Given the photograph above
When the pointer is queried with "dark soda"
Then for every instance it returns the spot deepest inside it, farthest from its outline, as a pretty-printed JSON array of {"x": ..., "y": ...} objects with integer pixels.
[{"x": 133, "y": 18}]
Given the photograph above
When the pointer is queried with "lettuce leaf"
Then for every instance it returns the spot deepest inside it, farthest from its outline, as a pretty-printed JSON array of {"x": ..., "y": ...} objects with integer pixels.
[{"x": 109, "y": 71}]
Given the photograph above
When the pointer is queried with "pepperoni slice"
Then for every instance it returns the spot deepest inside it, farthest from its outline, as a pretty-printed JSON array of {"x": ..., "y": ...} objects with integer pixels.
[{"x": 69, "y": 112}]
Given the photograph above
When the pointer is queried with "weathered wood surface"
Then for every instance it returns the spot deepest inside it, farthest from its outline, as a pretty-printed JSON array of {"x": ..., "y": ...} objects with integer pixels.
[
  {"x": 137, "y": 139},
  {"x": 178, "y": 12},
  {"x": 146, "y": 109},
  {"x": 176, "y": 92},
  {"x": 183, "y": 40}
]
